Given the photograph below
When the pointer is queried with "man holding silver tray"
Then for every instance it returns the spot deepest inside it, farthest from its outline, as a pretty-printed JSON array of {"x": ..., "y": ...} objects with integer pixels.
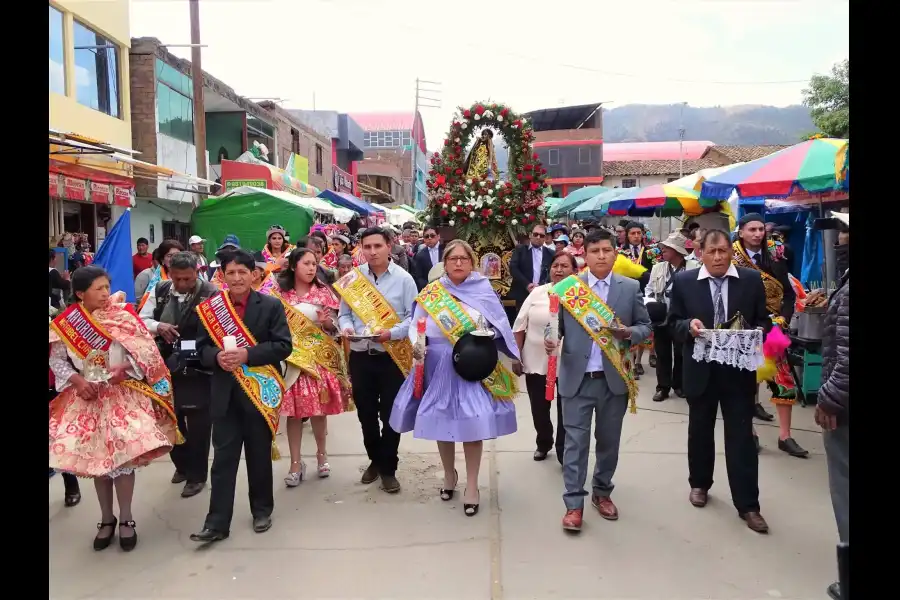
[{"x": 708, "y": 299}]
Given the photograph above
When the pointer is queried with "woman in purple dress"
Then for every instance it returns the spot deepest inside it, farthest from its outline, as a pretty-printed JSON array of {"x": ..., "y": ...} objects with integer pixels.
[{"x": 452, "y": 409}]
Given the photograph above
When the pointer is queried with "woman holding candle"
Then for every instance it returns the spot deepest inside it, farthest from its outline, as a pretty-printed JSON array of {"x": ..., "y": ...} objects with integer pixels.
[
  {"x": 453, "y": 409},
  {"x": 529, "y": 330}
]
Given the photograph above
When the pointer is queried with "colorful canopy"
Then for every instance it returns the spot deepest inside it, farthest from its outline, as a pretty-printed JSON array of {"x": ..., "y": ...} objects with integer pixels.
[
  {"x": 668, "y": 199},
  {"x": 596, "y": 206},
  {"x": 809, "y": 166},
  {"x": 576, "y": 198}
]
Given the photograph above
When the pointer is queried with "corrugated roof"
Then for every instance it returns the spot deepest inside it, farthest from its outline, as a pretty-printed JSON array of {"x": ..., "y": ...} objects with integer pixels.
[
  {"x": 623, "y": 168},
  {"x": 746, "y": 153},
  {"x": 563, "y": 117},
  {"x": 628, "y": 151}
]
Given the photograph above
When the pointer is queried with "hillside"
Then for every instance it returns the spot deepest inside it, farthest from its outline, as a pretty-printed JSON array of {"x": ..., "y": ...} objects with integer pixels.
[{"x": 741, "y": 125}]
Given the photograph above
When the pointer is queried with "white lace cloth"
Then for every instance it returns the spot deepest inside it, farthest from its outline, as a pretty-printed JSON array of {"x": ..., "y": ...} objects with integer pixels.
[{"x": 741, "y": 348}]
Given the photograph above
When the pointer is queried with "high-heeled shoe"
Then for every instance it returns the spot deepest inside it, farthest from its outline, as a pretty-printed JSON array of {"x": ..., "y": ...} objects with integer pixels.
[
  {"x": 323, "y": 469},
  {"x": 472, "y": 509},
  {"x": 127, "y": 543},
  {"x": 102, "y": 543},
  {"x": 447, "y": 495}
]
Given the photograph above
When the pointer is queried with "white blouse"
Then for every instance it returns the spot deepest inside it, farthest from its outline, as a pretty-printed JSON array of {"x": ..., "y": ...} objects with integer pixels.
[
  {"x": 533, "y": 318},
  {"x": 63, "y": 370},
  {"x": 311, "y": 312}
]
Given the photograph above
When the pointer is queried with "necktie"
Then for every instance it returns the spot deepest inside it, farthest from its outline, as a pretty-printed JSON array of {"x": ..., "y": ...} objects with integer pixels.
[
  {"x": 755, "y": 258},
  {"x": 718, "y": 302}
]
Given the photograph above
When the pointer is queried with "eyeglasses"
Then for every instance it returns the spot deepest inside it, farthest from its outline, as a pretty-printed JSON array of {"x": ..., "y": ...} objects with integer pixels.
[
  {"x": 428, "y": 236},
  {"x": 538, "y": 235},
  {"x": 458, "y": 259}
]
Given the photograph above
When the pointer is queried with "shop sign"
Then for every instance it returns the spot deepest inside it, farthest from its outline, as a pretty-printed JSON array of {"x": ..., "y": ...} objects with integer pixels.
[
  {"x": 123, "y": 196},
  {"x": 343, "y": 181},
  {"x": 233, "y": 184},
  {"x": 101, "y": 193},
  {"x": 56, "y": 185},
  {"x": 75, "y": 189}
]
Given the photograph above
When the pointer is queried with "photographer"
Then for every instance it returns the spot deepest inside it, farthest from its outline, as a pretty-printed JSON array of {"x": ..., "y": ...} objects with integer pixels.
[{"x": 170, "y": 316}]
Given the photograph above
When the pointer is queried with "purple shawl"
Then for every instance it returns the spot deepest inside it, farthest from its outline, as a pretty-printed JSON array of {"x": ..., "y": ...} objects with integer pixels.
[{"x": 476, "y": 291}]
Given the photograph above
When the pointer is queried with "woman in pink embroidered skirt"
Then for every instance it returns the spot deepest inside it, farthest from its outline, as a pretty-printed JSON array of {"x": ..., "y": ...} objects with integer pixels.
[{"x": 327, "y": 393}]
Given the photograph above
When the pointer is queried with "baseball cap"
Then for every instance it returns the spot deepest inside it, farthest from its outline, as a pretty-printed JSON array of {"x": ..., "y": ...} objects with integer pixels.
[
  {"x": 230, "y": 240},
  {"x": 195, "y": 239}
]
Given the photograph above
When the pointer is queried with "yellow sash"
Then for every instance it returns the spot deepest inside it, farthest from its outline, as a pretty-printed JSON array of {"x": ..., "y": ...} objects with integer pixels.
[
  {"x": 454, "y": 322},
  {"x": 370, "y": 306},
  {"x": 593, "y": 314},
  {"x": 774, "y": 289}
]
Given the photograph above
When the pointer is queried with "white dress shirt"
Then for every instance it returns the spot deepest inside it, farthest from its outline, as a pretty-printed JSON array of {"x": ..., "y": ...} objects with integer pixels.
[
  {"x": 537, "y": 256},
  {"x": 399, "y": 289},
  {"x": 433, "y": 253},
  {"x": 731, "y": 272},
  {"x": 601, "y": 288}
]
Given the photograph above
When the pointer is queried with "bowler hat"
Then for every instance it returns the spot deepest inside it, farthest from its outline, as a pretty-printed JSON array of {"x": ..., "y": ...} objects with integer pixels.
[{"x": 475, "y": 357}]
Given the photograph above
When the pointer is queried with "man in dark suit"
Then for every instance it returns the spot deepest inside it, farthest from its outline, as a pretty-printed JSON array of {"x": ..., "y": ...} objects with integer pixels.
[
  {"x": 428, "y": 255},
  {"x": 703, "y": 299},
  {"x": 530, "y": 266},
  {"x": 237, "y": 422}
]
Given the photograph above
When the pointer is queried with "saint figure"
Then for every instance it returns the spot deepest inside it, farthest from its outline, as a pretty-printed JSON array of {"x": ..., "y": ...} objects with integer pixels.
[{"x": 482, "y": 162}]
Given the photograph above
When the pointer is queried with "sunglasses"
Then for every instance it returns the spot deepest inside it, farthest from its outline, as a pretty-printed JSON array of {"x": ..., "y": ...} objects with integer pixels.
[
  {"x": 538, "y": 235},
  {"x": 428, "y": 236}
]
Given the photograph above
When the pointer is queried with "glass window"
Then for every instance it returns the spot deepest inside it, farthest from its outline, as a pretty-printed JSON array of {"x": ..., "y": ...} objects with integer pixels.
[
  {"x": 57, "y": 60},
  {"x": 406, "y": 139},
  {"x": 96, "y": 71},
  {"x": 584, "y": 156},
  {"x": 629, "y": 183},
  {"x": 175, "y": 113},
  {"x": 553, "y": 157}
]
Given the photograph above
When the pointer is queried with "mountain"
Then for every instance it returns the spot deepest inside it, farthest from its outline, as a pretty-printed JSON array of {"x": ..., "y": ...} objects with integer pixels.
[{"x": 750, "y": 125}]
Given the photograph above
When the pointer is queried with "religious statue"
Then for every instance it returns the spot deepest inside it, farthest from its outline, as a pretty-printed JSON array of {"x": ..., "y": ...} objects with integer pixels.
[{"x": 482, "y": 162}]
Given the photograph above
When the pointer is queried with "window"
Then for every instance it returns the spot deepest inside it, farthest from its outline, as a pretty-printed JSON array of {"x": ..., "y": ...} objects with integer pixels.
[
  {"x": 96, "y": 71},
  {"x": 320, "y": 160},
  {"x": 174, "y": 103},
  {"x": 584, "y": 156},
  {"x": 629, "y": 183},
  {"x": 295, "y": 141},
  {"x": 553, "y": 156},
  {"x": 173, "y": 230},
  {"x": 57, "y": 60}
]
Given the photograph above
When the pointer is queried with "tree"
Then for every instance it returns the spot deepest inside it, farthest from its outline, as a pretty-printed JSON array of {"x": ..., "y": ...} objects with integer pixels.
[{"x": 828, "y": 98}]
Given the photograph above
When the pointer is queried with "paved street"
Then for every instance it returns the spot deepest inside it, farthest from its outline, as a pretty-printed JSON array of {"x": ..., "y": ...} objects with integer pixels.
[{"x": 336, "y": 538}]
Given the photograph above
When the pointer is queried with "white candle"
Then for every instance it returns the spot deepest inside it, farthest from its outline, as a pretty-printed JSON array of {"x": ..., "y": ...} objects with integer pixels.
[{"x": 229, "y": 342}]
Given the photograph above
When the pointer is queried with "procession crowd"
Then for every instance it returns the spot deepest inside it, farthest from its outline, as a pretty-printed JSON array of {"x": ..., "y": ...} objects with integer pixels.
[{"x": 406, "y": 332}]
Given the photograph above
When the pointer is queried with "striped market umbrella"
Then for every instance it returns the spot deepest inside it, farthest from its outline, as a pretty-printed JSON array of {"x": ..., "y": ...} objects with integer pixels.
[
  {"x": 664, "y": 199},
  {"x": 576, "y": 198},
  {"x": 596, "y": 206},
  {"x": 810, "y": 166}
]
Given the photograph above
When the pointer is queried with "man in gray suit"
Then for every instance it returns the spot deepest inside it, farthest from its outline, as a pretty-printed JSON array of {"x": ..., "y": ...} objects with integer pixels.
[{"x": 589, "y": 383}]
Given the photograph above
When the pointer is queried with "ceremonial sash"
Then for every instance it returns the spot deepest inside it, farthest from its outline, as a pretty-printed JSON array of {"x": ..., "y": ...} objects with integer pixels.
[
  {"x": 263, "y": 385},
  {"x": 159, "y": 274},
  {"x": 593, "y": 314},
  {"x": 454, "y": 322},
  {"x": 218, "y": 279},
  {"x": 82, "y": 334},
  {"x": 271, "y": 260},
  {"x": 366, "y": 301},
  {"x": 774, "y": 289}
]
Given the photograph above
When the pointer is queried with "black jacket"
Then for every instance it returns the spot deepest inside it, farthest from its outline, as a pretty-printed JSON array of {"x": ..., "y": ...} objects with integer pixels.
[
  {"x": 834, "y": 395},
  {"x": 521, "y": 268},
  {"x": 265, "y": 319},
  {"x": 421, "y": 265},
  {"x": 57, "y": 283},
  {"x": 691, "y": 299}
]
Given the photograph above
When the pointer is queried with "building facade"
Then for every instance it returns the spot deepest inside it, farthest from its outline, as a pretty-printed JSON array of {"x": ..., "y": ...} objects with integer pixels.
[
  {"x": 569, "y": 142},
  {"x": 346, "y": 145},
  {"x": 88, "y": 103}
]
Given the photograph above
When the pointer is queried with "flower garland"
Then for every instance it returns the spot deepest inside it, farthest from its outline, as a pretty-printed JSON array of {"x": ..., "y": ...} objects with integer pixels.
[{"x": 477, "y": 205}]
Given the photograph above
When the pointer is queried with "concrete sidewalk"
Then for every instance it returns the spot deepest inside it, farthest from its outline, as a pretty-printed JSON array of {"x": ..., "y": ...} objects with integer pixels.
[{"x": 335, "y": 538}]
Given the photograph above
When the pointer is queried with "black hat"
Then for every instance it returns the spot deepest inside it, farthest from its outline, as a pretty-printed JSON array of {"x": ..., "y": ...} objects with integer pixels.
[
  {"x": 751, "y": 218},
  {"x": 475, "y": 357}
]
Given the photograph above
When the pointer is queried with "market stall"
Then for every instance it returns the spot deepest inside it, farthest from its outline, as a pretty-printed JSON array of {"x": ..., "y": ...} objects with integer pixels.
[
  {"x": 361, "y": 207},
  {"x": 248, "y": 170}
]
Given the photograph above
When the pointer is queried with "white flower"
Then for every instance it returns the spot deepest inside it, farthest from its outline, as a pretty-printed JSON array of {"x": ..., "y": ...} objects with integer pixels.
[
  {"x": 498, "y": 186},
  {"x": 472, "y": 215},
  {"x": 488, "y": 114},
  {"x": 515, "y": 126},
  {"x": 464, "y": 125},
  {"x": 514, "y": 222},
  {"x": 481, "y": 184},
  {"x": 469, "y": 181},
  {"x": 452, "y": 222},
  {"x": 488, "y": 200},
  {"x": 499, "y": 117},
  {"x": 479, "y": 203},
  {"x": 477, "y": 117},
  {"x": 453, "y": 209}
]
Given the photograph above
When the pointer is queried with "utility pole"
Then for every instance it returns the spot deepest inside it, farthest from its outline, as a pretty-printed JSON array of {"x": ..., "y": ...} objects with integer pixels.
[
  {"x": 197, "y": 79},
  {"x": 413, "y": 139},
  {"x": 681, "y": 141}
]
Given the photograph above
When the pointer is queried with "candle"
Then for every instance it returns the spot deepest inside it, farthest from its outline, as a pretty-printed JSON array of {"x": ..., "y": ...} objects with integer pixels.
[
  {"x": 419, "y": 382},
  {"x": 553, "y": 334},
  {"x": 229, "y": 342}
]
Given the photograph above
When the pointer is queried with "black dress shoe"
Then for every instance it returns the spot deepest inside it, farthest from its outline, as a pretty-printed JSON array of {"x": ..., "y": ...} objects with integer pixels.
[
  {"x": 127, "y": 543},
  {"x": 209, "y": 535},
  {"x": 761, "y": 414},
  {"x": 390, "y": 484},
  {"x": 652, "y": 361},
  {"x": 179, "y": 477},
  {"x": 834, "y": 591},
  {"x": 102, "y": 543},
  {"x": 539, "y": 455},
  {"x": 660, "y": 395},
  {"x": 369, "y": 475},
  {"x": 262, "y": 524},
  {"x": 793, "y": 448},
  {"x": 639, "y": 369},
  {"x": 678, "y": 392},
  {"x": 192, "y": 489}
]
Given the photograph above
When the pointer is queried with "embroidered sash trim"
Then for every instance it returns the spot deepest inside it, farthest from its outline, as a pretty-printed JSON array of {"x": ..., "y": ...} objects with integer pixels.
[
  {"x": 454, "y": 322},
  {"x": 159, "y": 274},
  {"x": 370, "y": 306},
  {"x": 593, "y": 314},
  {"x": 263, "y": 385},
  {"x": 774, "y": 289}
]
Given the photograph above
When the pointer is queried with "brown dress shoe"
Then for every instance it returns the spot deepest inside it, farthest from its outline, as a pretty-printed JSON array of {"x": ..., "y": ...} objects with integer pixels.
[
  {"x": 699, "y": 497},
  {"x": 370, "y": 474},
  {"x": 605, "y": 507},
  {"x": 755, "y": 522},
  {"x": 572, "y": 520}
]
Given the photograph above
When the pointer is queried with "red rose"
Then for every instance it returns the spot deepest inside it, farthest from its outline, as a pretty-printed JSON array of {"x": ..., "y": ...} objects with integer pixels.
[
  {"x": 535, "y": 156},
  {"x": 458, "y": 171},
  {"x": 458, "y": 149},
  {"x": 529, "y": 167},
  {"x": 519, "y": 176},
  {"x": 484, "y": 222},
  {"x": 443, "y": 212},
  {"x": 543, "y": 171},
  {"x": 486, "y": 212},
  {"x": 504, "y": 112},
  {"x": 467, "y": 113},
  {"x": 479, "y": 109},
  {"x": 528, "y": 177},
  {"x": 509, "y": 184},
  {"x": 533, "y": 187},
  {"x": 447, "y": 197},
  {"x": 507, "y": 213},
  {"x": 446, "y": 142}
]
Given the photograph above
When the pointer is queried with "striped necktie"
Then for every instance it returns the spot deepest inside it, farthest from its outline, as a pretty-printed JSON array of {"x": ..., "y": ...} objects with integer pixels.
[{"x": 718, "y": 302}]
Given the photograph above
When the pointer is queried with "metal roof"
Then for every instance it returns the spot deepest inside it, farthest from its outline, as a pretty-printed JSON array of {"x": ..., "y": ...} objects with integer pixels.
[{"x": 563, "y": 117}]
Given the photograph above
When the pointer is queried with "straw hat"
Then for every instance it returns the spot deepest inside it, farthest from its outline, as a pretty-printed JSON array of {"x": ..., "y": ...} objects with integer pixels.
[{"x": 676, "y": 241}]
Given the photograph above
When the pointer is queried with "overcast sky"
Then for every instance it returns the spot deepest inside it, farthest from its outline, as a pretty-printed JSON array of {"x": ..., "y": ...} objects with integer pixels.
[{"x": 365, "y": 55}]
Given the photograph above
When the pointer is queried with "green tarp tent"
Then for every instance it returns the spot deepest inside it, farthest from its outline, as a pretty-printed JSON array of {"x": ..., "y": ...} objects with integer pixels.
[{"x": 248, "y": 216}]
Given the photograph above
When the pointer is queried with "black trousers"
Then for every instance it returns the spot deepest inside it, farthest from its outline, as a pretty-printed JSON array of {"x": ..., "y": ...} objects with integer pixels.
[
  {"x": 241, "y": 427},
  {"x": 192, "y": 409},
  {"x": 70, "y": 482},
  {"x": 540, "y": 414},
  {"x": 376, "y": 379},
  {"x": 668, "y": 351},
  {"x": 741, "y": 459}
]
